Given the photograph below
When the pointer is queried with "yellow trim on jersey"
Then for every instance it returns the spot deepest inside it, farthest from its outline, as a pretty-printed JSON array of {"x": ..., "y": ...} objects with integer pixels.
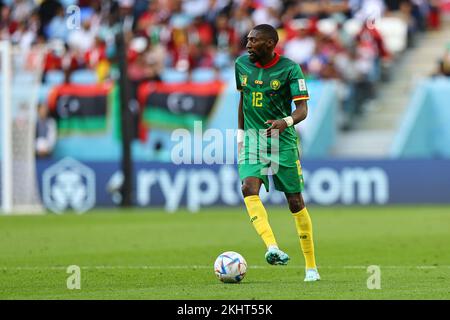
[{"x": 297, "y": 98}]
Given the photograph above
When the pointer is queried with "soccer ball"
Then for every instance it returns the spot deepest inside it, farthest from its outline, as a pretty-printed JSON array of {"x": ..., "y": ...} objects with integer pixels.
[{"x": 230, "y": 267}]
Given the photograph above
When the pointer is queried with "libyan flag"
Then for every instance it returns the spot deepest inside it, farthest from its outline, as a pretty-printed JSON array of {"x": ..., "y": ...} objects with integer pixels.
[
  {"x": 85, "y": 108},
  {"x": 177, "y": 105}
]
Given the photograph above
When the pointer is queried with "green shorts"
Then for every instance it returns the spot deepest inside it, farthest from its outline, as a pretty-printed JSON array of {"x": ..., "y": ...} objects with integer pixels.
[{"x": 285, "y": 169}]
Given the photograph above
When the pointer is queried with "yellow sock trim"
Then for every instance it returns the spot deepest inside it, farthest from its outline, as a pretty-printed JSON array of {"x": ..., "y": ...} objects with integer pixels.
[
  {"x": 259, "y": 219},
  {"x": 305, "y": 233}
]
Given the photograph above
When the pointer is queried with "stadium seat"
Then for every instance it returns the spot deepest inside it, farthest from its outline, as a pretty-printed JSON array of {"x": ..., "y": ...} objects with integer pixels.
[
  {"x": 44, "y": 90},
  {"x": 327, "y": 26},
  {"x": 173, "y": 75},
  {"x": 203, "y": 75},
  {"x": 222, "y": 59},
  {"x": 53, "y": 77},
  {"x": 394, "y": 32},
  {"x": 83, "y": 76}
]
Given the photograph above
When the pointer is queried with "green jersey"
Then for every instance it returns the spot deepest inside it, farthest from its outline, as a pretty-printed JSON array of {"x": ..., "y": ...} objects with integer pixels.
[{"x": 268, "y": 92}]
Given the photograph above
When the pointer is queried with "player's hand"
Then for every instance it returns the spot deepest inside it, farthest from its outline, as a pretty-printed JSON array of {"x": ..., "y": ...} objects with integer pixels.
[{"x": 276, "y": 127}]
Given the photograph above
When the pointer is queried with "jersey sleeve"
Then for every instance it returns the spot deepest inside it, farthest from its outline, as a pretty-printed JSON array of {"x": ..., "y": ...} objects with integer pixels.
[
  {"x": 237, "y": 76},
  {"x": 297, "y": 84}
]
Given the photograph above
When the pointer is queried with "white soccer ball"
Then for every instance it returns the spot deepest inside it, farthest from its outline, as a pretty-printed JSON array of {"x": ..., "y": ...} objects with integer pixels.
[{"x": 230, "y": 267}]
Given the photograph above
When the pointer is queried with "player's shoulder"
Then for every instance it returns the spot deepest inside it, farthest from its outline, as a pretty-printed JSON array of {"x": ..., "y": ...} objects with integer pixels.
[
  {"x": 288, "y": 63},
  {"x": 243, "y": 60}
]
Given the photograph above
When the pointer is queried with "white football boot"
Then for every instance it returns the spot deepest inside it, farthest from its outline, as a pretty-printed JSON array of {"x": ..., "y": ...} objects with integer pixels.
[{"x": 312, "y": 275}]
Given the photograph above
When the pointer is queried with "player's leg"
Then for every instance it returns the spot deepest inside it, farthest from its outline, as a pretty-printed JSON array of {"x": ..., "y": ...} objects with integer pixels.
[
  {"x": 256, "y": 211},
  {"x": 253, "y": 173},
  {"x": 289, "y": 179},
  {"x": 304, "y": 230},
  {"x": 259, "y": 218}
]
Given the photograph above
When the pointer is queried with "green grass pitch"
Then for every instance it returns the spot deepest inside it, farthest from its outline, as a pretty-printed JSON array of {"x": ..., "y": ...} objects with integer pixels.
[{"x": 148, "y": 254}]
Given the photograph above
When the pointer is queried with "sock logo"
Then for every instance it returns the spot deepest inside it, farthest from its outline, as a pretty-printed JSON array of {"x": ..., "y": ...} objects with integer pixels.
[
  {"x": 253, "y": 218},
  {"x": 303, "y": 236}
]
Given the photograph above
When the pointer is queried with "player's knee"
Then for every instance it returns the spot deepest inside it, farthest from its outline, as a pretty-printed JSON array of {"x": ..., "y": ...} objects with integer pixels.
[
  {"x": 296, "y": 204},
  {"x": 248, "y": 190}
]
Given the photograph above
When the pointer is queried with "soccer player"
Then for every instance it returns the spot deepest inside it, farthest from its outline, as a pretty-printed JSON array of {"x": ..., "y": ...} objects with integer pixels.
[{"x": 268, "y": 84}]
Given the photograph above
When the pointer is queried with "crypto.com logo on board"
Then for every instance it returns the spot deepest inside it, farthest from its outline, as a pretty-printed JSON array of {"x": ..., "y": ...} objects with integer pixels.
[{"x": 68, "y": 184}]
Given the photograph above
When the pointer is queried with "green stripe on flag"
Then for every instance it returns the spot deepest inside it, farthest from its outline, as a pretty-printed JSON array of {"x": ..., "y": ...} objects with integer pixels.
[
  {"x": 82, "y": 125},
  {"x": 157, "y": 117}
]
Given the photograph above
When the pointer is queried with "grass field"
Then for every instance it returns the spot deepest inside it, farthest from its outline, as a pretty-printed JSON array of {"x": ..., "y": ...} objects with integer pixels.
[{"x": 147, "y": 254}]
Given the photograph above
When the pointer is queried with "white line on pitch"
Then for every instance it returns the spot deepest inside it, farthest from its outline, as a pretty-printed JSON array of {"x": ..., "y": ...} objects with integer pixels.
[{"x": 149, "y": 267}]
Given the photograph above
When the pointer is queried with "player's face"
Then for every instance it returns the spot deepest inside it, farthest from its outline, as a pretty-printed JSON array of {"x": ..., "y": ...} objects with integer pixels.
[{"x": 258, "y": 46}]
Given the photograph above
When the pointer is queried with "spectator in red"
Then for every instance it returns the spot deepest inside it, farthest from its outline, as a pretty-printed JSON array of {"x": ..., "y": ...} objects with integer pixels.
[
  {"x": 145, "y": 60},
  {"x": 6, "y": 24},
  {"x": 53, "y": 56},
  {"x": 370, "y": 37},
  {"x": 200, "y": 56},
  {"x": 95, "y": 54},
  {"x": 200, "y": 32}
]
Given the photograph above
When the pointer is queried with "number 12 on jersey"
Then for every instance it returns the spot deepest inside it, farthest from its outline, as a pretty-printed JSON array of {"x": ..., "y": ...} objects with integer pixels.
[{"x": 256, "y": 99}]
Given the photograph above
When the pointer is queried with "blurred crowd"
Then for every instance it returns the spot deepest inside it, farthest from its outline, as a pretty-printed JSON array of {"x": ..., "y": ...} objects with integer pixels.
[
  {"x": 178, "y": 35},
  {"x": 198, "y": 33}
]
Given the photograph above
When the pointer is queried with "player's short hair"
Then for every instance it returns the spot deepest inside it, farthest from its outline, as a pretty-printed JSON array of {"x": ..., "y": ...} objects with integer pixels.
[{"x": 268, "y": 31}]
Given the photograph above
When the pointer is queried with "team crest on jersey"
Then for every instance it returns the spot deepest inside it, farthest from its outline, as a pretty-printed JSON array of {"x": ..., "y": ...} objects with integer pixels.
[
  {"x": 275, "y": 84},
  {"x": 244, "y": 78}
]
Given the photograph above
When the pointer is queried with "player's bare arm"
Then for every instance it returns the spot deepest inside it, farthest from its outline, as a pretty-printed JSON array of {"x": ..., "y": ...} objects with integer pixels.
[
  {"x": 299, "y": 114},
  {"x": 240, "y": 125}
]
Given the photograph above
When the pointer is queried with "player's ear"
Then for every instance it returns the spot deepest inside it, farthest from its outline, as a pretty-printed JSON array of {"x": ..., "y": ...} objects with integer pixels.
[{"x": 270, "y": 43}]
